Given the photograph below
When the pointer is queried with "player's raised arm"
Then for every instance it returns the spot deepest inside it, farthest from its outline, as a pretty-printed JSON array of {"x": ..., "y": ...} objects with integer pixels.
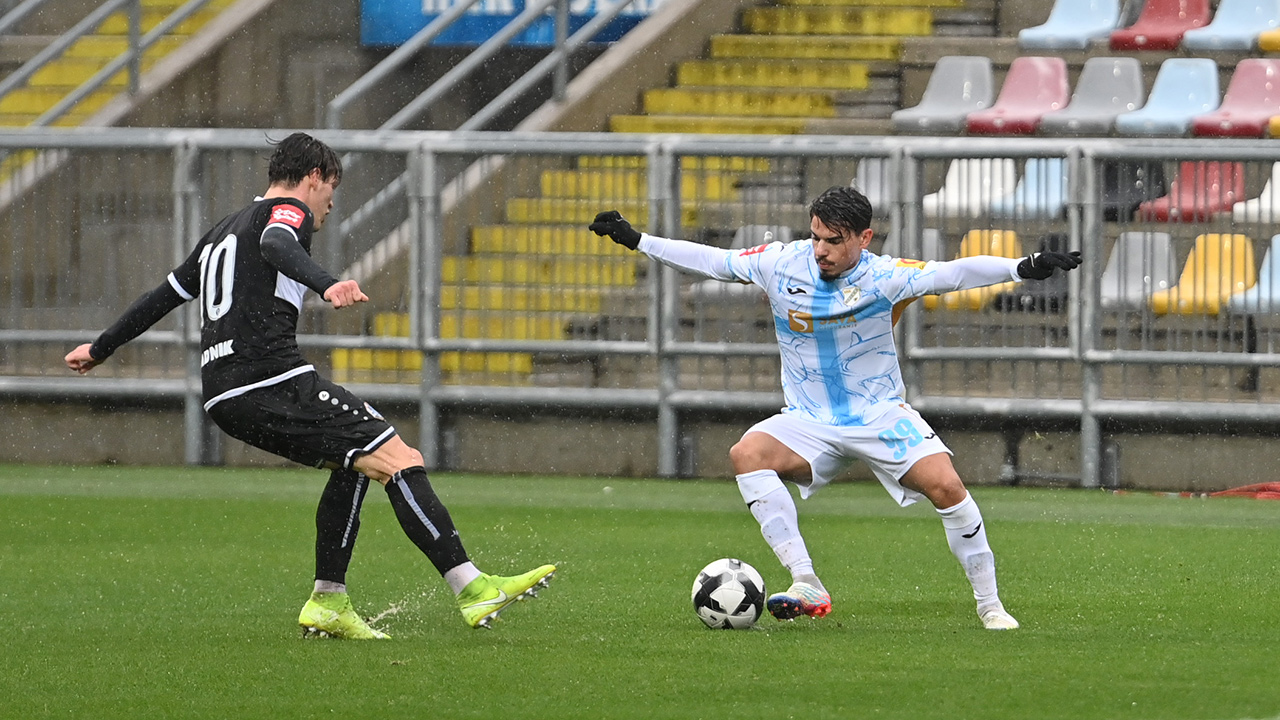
[
  {"x": 978, "y": 271},
  {"x": 690, "y": 257}
]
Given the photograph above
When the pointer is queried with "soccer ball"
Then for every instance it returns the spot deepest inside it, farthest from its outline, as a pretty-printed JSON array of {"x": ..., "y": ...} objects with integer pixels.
[{"x": 728, "y": 594}]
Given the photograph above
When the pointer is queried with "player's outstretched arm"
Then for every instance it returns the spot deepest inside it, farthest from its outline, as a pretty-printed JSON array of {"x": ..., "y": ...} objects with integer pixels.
[
  {"x": 344, "y": 293},
  {"x": 1040, "y": 266},
  {"x": 142, "y": 314},
  {"x": 690, "y": 257}
]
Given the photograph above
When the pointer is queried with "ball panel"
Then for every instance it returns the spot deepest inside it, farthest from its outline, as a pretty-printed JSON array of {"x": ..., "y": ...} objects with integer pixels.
[{"x": 728, "y": 594}]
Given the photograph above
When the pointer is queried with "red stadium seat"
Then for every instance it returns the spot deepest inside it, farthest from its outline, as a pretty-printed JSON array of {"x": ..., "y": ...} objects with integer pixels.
[
  {"x": 1033, "y": 87},
  {"x": 1252, "y": 99},
  {"x": 1161, "y": 25},
  {"x": 1201, "y": 189}
]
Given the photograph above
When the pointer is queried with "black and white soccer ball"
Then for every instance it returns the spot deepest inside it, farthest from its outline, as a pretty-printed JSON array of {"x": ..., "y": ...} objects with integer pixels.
[{"x": 728, "y": 594}]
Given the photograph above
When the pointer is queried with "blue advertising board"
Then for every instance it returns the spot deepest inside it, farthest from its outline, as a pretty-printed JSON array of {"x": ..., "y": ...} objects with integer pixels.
[{"x": 392, "y": 22}]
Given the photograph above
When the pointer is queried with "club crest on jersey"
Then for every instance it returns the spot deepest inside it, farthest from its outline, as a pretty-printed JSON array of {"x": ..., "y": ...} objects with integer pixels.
[
  {"x": 288, "y": 214},
  {"x": 851, "y": 295}
]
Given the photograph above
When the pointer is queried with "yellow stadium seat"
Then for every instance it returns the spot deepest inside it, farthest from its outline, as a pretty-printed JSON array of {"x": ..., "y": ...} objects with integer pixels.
[
  {"x": 1269, "y": 41},
  {"x": 1001, "y": 243},
  {"x": 1218, "y": 267}
]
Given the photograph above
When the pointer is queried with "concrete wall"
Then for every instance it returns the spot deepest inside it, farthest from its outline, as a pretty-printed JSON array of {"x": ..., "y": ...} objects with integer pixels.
[{"x": 625, "y": 445}]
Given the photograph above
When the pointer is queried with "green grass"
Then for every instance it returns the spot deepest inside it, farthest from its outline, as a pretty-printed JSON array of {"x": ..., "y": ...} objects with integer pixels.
[{"x": 143, "y": 592}]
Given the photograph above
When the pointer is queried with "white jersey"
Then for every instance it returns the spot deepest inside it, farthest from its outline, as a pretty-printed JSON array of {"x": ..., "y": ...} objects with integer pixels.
[{"x": 835, "y": 336}]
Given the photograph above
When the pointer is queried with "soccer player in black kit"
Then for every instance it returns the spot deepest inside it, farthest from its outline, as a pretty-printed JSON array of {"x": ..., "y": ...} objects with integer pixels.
[{"x": 249, "y": 274}]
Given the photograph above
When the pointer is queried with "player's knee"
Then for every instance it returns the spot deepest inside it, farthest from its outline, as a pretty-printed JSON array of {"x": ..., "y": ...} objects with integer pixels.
[{"x": 746, "y": 457}]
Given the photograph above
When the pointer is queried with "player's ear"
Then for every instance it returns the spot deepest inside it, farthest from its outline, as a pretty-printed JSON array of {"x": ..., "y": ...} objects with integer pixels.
[{"x": 864, "y": 238}]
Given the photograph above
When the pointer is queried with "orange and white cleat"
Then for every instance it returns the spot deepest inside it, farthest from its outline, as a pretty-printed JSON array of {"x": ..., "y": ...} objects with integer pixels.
[{"x": 801, "y": 598}]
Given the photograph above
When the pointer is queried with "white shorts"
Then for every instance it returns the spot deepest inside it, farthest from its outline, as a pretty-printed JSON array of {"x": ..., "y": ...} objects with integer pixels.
[{"x": 889, "y": 444}]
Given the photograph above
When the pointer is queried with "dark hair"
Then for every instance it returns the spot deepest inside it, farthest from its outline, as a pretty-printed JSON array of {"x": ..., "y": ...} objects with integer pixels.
[
  {"x": 841, "y": 207},
  {"x": 297, "y": 155}
]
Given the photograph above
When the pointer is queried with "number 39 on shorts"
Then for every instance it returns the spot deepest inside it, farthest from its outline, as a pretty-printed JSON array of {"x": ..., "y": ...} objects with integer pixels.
[{"x": 903, "y": 435}]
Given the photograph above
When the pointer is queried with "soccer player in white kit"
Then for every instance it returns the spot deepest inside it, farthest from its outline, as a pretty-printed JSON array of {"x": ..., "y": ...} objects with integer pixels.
[{"x": 834, "y": 306}]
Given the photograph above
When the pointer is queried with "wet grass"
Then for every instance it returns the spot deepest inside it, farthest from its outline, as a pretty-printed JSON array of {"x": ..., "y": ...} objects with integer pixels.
[{"x": 132, "y": 592}]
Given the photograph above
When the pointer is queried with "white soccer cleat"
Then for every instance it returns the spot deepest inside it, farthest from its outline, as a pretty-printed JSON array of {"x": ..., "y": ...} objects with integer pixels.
[{"x": 996, "y": 618}]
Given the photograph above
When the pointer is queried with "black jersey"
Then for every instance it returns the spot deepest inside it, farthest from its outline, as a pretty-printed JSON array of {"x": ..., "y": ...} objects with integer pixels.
[{"x": 248, "y": 308}]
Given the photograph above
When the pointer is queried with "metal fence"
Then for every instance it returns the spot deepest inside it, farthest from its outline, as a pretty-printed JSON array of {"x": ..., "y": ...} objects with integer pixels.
[{"x": 487, "y": 289}]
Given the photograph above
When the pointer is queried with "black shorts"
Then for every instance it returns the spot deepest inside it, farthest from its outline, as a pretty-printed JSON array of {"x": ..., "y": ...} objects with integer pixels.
[{"x": 306, "y": 419}]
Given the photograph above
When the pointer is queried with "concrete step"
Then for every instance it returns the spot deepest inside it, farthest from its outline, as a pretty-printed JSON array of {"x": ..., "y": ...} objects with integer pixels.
[
  {"x": 793, "y": 74},
  {"x": 757, "y": 103},
  {"x": 836, "y": 21},
  {"x": 555, "y": 240},
  {"x": 525, "y": 271},
  {"x": 521, "y": 299},
  {"x": 630, "y": 185}
]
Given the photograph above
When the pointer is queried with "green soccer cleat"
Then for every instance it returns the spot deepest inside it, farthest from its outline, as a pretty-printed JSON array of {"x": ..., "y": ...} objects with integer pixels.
[
  {"x": 486, "y": 596},
  {"x": 330, "y": 615}
]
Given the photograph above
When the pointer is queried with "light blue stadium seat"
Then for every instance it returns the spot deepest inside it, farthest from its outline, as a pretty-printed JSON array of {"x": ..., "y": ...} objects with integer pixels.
[
  {"x": 1263, "y": 297},
  {"x": 1141, "y": 263},
  {"x": 1235, "y": 26},
  {"x": 1184, "y": 88},
  {"x": 1041, "y": 193},
  {"x": 1072, "y": 24}
]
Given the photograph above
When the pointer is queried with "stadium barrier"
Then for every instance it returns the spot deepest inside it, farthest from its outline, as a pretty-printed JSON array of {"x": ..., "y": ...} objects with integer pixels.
[{"x": 488, "y": 289}]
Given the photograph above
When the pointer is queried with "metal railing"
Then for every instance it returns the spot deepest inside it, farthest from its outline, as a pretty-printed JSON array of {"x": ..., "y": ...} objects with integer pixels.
[{"x": 507, "y": 301}]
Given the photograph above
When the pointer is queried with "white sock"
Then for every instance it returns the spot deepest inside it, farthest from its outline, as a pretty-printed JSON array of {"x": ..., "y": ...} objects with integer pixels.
[
  {"x": 329, "y": 586},
  {"x": 461, "y": 576},
  {"x": 967, "y": 536},
  {"x": 775, "y": 510}
]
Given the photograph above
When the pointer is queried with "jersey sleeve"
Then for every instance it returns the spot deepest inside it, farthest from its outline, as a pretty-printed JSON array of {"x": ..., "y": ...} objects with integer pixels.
[
  {"x": 900, "y": 279},
  {"x": 754, "y": 265}
]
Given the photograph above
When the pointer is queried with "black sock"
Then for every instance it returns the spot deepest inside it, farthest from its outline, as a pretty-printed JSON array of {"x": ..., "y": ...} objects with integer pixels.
[
  {"x": 337, "y": 523},
  {"x": 425, "y": 519}
]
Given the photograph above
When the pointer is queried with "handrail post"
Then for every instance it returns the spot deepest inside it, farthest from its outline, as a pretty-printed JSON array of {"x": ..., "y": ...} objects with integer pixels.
[
  {"x": 135, "y": 43},
  {"x": 562, "y": 34}
]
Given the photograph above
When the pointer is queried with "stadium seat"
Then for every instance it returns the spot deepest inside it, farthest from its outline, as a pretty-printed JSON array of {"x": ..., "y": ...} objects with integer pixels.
[
  {"x": 1269, "y": 41},
  {"x": 1236, "y": 26},
  {"x": 1262, "y": 209},
  {"x": 1034, "y": 86},
  {"x": 1183, "y": 89},
  {"x": 1106, "y": 88},
  {"x": 1001, "y": 243},
  {"x": 971, "y": 186},
  {"x": 1161, "y": 25},
  {"x": 1264, "y": 296},
  {"x": 1201, "y": 189},
  {"x": 1042, "y": 296},
  {"x": 1041, "y": 193},
  {"x": 1252, "y": 99},
  {"x": 1072, "y": 24},
  {"x": 1141, "y": 263},
  {"x": 930, "y": 246},
  {"x": 873, "y": 179},
  {"x": 1128, "y": 183},
  {"x": 1218, "y": 267},
  {"x": 958, "y": 86}
]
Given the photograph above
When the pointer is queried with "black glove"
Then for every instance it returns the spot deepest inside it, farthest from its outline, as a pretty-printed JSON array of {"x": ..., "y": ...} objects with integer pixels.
[
  {"x": 1039, "y": 266},
  {"x": 612, "y": 223}
]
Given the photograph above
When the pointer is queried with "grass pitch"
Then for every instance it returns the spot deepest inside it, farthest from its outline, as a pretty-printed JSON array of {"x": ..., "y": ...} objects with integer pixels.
[{"x": 143, "y": 592}]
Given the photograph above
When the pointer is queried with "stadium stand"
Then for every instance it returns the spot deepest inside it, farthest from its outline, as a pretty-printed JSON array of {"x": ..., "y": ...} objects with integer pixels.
[
  {"x": 91, "y": 53},
  {"x": 1072, "y": 25},
  {"x": 1126, "y": 185},
  {"x": 1236, "y": 26},
  {"x": 1041, "y": 192},
  {"x": 1261, "y": 209},
  {"x": 930, "y": 246},
  {"x": 1264, "y": 296},
  {"x": 1034, "y": 86},
  {"x": 1219, "y": 266},
  {"x": 1140, "y": 264},
  {"x": 958, "y": 86},
  {"x": 1251, "y": 100},
  {"x": 1183, "y": 89},
  {"x": 1269, "y": 41},
  {"x": 970, "y": 187},
  {"x": 1200, "y": 189},
  {"x": 873, "y": 179},
  {"x": 1107, "y": 87},
  {"x": 1161, "y": 25}
]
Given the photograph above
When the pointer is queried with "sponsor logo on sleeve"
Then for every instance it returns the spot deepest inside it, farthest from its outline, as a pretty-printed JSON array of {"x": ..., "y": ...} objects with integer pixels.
[
  {"x": 288, "y": 214},
  {"x": 753, "y": 251},
  {"x": 917, "y": 264}
]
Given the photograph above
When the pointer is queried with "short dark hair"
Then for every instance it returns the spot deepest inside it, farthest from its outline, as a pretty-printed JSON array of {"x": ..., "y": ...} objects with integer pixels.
[
  {"x": 841, "y": 207},
  {"x": 299, "y": 154}
]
